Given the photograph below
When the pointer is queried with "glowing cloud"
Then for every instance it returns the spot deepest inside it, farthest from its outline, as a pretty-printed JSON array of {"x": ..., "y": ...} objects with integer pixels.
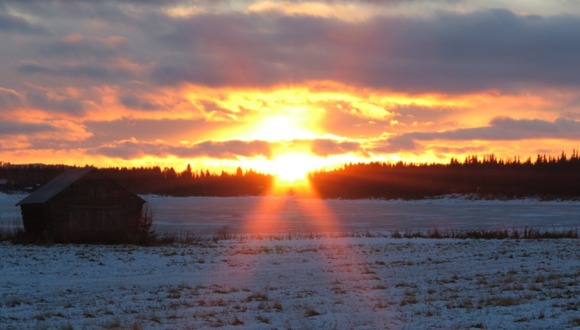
[{"x": 223, "y": 84}]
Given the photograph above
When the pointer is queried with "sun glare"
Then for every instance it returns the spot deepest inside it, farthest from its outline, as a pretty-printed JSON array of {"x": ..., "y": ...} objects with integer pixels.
[
  {"x": 292, "y": 167},
  {"x": 283, "y": 123},
  {"x": 289, "y": 168}
]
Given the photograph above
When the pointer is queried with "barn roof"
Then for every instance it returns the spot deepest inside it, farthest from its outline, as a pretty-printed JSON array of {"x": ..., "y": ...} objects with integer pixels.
[{"x": 56, "y": 185}]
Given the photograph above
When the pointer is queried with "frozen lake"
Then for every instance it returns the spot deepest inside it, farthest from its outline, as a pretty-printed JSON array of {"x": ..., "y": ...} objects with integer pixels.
[
  {"x": 279, "y": 214},
  {"x": 289, "y": 214}
]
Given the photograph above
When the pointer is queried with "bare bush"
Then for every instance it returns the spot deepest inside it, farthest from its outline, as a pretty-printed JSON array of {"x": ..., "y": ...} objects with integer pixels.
[{"x": 145, "y": 233}]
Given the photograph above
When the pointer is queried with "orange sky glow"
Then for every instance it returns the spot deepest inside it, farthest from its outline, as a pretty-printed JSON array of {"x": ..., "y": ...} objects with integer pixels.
[{"x": 286, "y": 87}]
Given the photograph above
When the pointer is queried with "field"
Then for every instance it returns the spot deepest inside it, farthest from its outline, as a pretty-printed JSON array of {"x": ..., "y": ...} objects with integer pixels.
[
  {"x": 281, "y": 215},
  {"x": 286, "y": 282},
  {"x": 304, "y": 264}
]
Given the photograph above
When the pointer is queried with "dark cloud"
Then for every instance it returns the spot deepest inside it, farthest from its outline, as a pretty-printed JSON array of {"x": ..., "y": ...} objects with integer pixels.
[
  {"x": 500, "y": 129},
  {"x": 9, "y": 99},
  {"x": 447, "y": 52},
  {"x": 8, "y": 128},
  {"x": 135, "y": 102},
  {"x": 92, "y": 71},
  {"x": 130, "y": 149},
  {"x": 473, "y": 150},
  {"x": 63, "y": 105},
  {"x": 326, "y": 147},
  {"x": 71, "y": 10},
  {"x": 405, "y": 142},
  {"x": 82, "y": 49},
  {"x": 63, "y": 56},
  {"x": 226, "y": 149},
  {"x": 409, "y": 114},
  {"x": 16, "y": 24},
  {"x": 165, "y": 129},
  {"x": 230, "y": 149},
  {"x": 512, "y": 129},
  {"x": 245, "y": 50}
]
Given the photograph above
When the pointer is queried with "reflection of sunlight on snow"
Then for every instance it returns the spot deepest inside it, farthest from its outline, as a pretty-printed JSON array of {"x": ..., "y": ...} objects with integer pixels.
[
  {"x": 288, "y": 203},
  {"x": 328, "y": 245}
]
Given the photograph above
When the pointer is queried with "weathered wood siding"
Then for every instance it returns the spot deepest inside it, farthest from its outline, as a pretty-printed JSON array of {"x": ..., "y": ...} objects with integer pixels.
[
  {"x": 34, "y": 218},
  {"x": 93, "y": 208}
]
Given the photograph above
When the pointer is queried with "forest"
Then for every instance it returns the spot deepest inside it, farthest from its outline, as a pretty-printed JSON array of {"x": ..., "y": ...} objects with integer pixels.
[
  {"x": 147, "y": 180},
  {"x": 546, "y": 177}
]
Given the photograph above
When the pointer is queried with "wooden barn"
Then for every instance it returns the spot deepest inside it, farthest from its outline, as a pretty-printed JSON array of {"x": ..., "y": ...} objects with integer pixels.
[{"x": 82, "y": 205}]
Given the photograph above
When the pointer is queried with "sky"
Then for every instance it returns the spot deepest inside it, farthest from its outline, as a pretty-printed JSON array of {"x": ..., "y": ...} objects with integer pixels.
[{"x": 272, "y": 84}]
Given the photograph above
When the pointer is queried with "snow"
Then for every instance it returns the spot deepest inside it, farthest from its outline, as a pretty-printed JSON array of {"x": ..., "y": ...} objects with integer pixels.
[
  {"x": 302, "y": 264},
  {"x": 319, "y": 283},
  {"x": 278, "y": 214},
  {"x": 9, "y": 213}
]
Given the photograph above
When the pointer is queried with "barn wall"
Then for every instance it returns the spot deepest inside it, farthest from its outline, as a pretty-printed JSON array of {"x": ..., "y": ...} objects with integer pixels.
[
  {"x": 34, "y": 218},
  {"x": 95, "y": 206}
]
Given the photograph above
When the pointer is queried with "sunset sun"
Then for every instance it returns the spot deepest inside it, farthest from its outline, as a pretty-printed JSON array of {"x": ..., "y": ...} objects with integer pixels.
[
  {"x": 292, "y": 167},
  {"x": 295, "y": 123},
  {"x": 289, "y": 131}
]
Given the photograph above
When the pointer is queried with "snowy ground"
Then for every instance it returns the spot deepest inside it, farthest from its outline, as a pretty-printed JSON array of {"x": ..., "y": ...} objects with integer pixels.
[
  {"x": 273, "y": 280},
  {"x": 279, "y": 214},
  {"x": 299, "y": 283}
]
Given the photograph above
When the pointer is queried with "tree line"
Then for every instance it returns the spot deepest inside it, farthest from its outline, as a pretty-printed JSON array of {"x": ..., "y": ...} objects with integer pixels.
[
  {"x": 147, "y": 180},
  {"x": 546, "y": 177}
]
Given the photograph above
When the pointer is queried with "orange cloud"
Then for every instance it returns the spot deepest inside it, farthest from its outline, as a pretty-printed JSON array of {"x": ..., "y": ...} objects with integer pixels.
[{"x": 248, "y": 82}]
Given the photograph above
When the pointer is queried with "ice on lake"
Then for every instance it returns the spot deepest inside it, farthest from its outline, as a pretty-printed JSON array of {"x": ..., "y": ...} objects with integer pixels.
[
  {"x": 279, "y": 214},
  {"x": 285, "y": 214}
]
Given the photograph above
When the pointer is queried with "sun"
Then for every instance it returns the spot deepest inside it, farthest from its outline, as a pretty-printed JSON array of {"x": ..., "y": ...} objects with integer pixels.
[
  {"x": 292, "y": 167},
  {"x": 282, "y": 127},
  {"x": 289, "y": 131}
]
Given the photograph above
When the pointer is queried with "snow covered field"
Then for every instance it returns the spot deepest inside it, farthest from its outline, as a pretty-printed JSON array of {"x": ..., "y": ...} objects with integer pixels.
[
  {"x": 320, "y": 283},
  {"x": 279, "y": 214},
  {"x": 284, "y": 214},
  {"x": 315, "y": 278}
]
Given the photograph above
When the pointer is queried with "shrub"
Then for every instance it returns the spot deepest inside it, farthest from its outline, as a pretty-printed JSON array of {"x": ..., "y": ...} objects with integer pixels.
[
  {"x": 223, "y": 233},
  {"x": 145, "y": 234}
]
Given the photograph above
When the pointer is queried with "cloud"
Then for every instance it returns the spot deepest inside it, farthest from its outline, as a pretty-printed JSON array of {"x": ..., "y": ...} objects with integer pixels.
[
  {"x": 107, "y": 132},
  {"x": 122, "y": 69},
  {"x": 446, "y": 52},
  {"x": 412, "y": 114},
  {"x": 500, "y": 129},
  {"x": 8, "y": 128},
  {"x": 213, "y": 109},
  {"x": 16, "y": 24},
  {"x": 28, "y": 137},
  {"x": 135, "y": 102},
  {"x": 92, "y": 71},
  {"x": 326, "y": 147},
  {"x": 405, "y": 142},
  {"x": 9, "y": 98},
  {"x": 507, "y": 129},
  {"x": 130, "y": 149},
  {"x": 51, "y": 133},
  {"x": 62, "y": 104},
  {"x": 227, "y": 149},
  {"x": 75, "y": 46},
  {"x": 230, "y": 149}
]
